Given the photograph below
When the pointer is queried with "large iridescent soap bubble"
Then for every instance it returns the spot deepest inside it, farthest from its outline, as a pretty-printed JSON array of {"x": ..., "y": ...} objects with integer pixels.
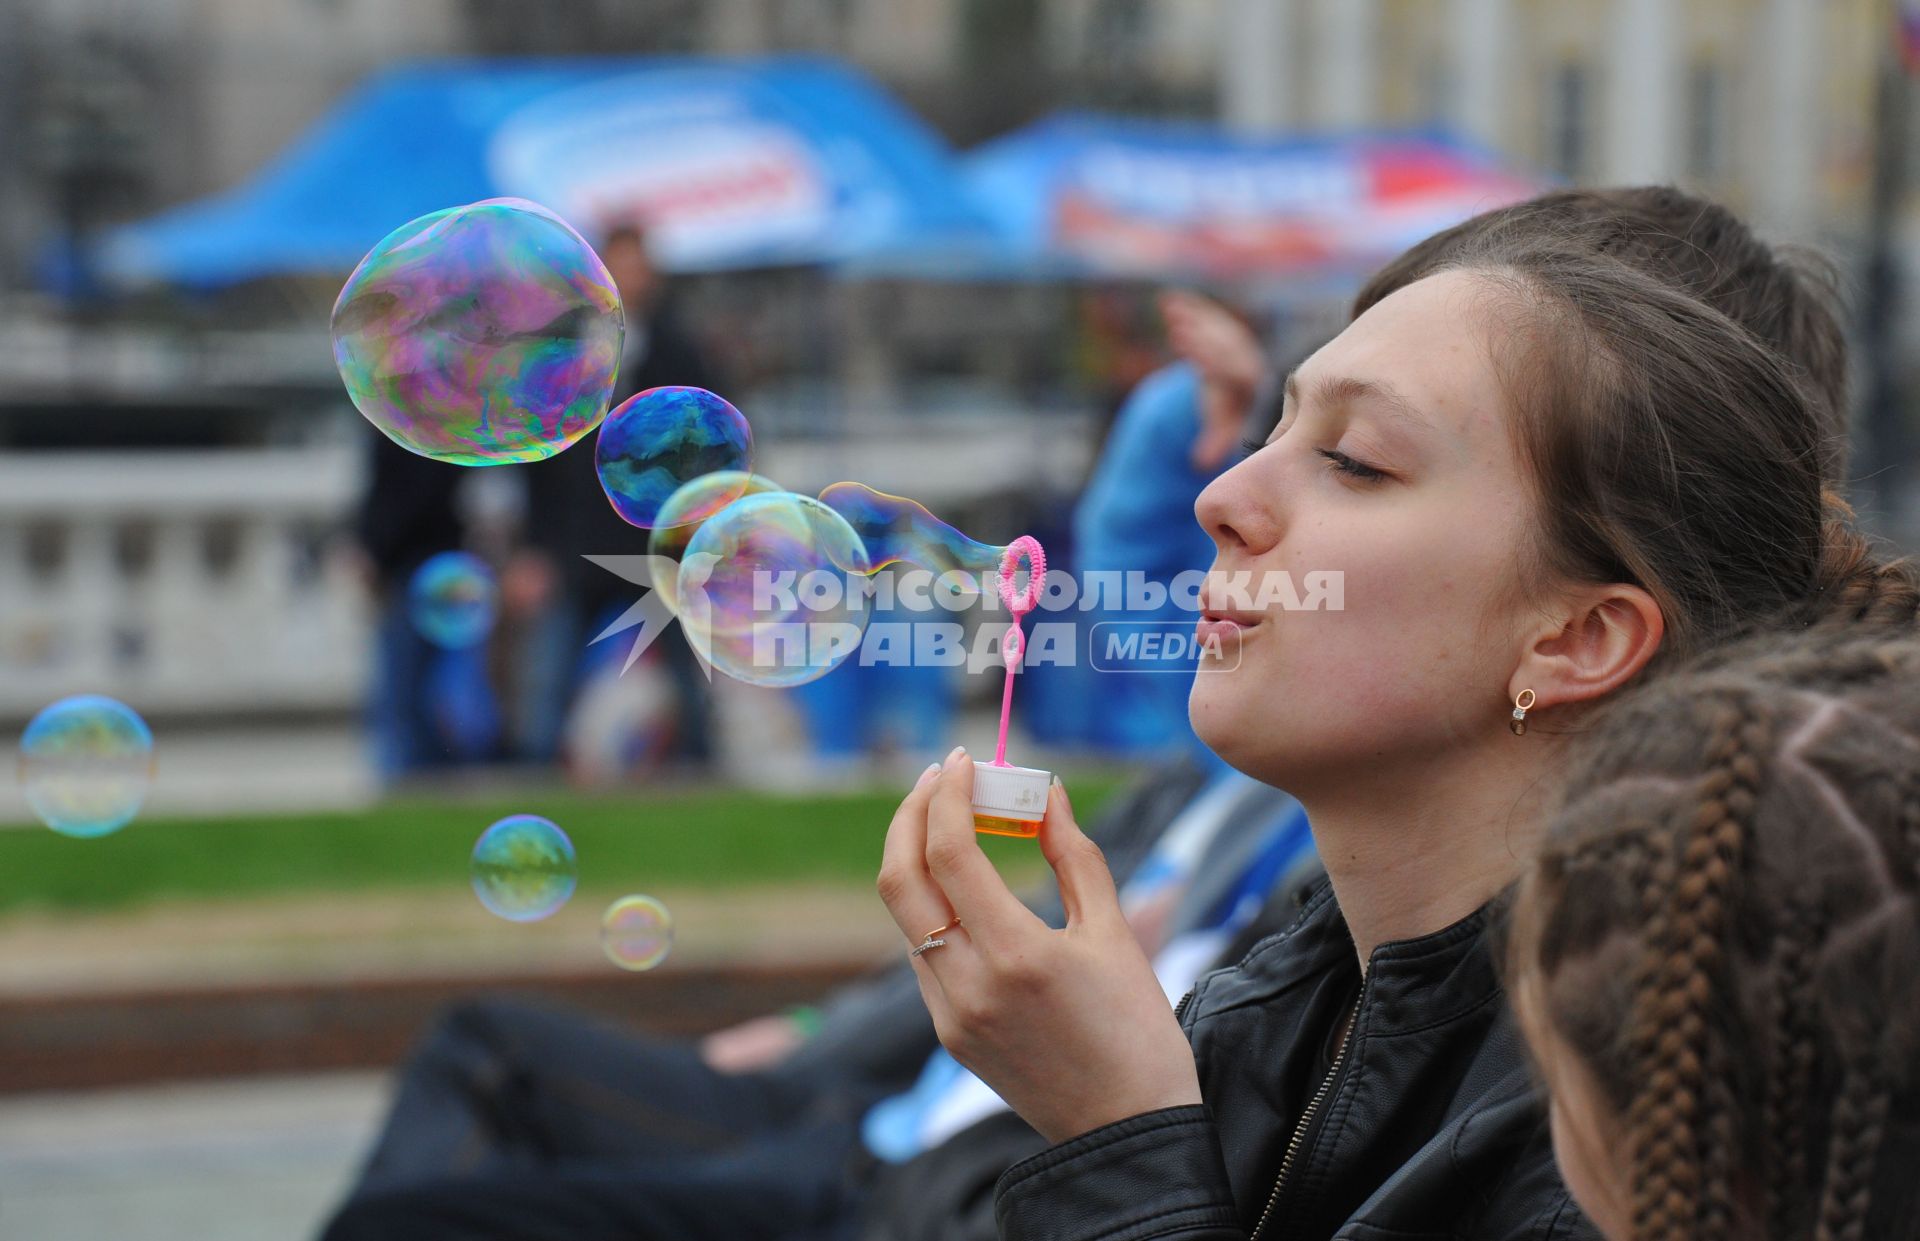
[
  {"x": 86, "y": 763},
  {"x": 636, "y": 932},
  {"x": 482, "y": 334},
  {"x": 660, "y": 440},
  {"x": 686, "y": 510},
  {"x": 523, "y": 868},
  {"x": 453, "y": 600},
  {"x": 769, "y": 589},
  {"x": 899, "y": 531}
]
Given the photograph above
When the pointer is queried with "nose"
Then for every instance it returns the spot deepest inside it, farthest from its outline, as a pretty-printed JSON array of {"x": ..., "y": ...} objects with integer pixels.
[{"x": 1232, "y": 512}]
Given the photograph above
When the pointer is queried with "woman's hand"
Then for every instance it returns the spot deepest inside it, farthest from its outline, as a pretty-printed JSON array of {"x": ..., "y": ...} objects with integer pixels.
[
  {"x": 1070, "y": 1026},
  {"x": 1227, "y": 355},
  {"x": 752, "y": 1046}
]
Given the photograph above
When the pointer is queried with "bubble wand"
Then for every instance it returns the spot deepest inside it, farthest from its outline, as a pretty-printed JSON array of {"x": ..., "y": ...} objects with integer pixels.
[{"x": 1009, "y": 800}]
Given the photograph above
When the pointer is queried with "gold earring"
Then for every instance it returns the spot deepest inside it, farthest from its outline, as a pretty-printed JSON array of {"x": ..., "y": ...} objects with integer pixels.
[{"x": 1520, "y": 704}]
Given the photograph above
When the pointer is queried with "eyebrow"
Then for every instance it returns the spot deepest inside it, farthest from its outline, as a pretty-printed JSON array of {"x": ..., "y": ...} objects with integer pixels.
[{"x": 1342, "y": 389}]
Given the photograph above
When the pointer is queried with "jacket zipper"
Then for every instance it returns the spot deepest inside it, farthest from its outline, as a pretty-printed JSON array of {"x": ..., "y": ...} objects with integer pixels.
[{"x": 1306, "y": 1118}]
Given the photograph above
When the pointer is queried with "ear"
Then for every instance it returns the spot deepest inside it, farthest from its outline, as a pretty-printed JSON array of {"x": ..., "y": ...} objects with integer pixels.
[{"x": 1607, "y": 636}]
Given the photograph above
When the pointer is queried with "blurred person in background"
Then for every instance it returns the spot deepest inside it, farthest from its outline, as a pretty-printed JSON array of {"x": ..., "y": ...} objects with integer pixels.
[
  {"x": 1178, "y": 428},
  {"x": 428, "y": 707},
  {"x": 561, "y": 600}
]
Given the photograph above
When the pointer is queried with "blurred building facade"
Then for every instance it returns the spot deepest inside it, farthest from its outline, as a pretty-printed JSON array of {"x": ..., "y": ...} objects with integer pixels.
[
  {"x": 111, "y": 108},
  {"x": 1766, "y": 104}
]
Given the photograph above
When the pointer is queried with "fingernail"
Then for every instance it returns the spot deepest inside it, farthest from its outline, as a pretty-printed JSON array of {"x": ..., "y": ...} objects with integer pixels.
[
  {"x": 959, "y": 752},
  {"x": 933, "y": 769}
]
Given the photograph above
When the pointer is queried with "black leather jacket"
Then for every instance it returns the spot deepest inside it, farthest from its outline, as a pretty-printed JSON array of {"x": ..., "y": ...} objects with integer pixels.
[{"x": 1426, "y": 1123}]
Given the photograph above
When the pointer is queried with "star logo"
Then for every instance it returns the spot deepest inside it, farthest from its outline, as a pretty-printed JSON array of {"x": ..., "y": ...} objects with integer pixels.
[{"x": 651, "y": 613}]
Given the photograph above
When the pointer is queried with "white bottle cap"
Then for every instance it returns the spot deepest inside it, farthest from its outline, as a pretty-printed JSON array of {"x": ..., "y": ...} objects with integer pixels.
[{"x": 1010, "y": 792}]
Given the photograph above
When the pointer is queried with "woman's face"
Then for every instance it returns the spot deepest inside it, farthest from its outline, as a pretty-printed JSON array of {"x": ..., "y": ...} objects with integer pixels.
[{"x": 1393, "y": 466}]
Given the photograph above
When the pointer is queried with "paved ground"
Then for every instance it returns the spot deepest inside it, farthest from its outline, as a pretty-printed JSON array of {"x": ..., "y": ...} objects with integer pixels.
[
  {"x": 261, "y": 1159},
  {"x": 439, "y": 934},
  {"x": 252, "y": 1161}
]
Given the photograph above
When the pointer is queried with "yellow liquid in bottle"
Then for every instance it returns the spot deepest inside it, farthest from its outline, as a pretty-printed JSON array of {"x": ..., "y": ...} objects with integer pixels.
[{"x": 1026, "y": 829}]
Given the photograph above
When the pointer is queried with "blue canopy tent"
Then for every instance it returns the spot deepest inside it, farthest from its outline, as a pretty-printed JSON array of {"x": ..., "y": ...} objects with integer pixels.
[
  {"x": 730, "y": 163},
  {"x": 1082, "y": 194}
]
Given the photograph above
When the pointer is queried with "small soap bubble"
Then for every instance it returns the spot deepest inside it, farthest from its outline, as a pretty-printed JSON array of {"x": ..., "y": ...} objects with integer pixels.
[
  {"x": 453, "y": 600},
  {"x": 767, "y": 589},
  {"x": 523, "y": 868},
  {"x": 662, "y": 439},
  {"x": 481, "y": 334},
  {"x": 636, "y": 932},
  {"x": 681, "y": 517},
  {"x": 86, "y": 763}
]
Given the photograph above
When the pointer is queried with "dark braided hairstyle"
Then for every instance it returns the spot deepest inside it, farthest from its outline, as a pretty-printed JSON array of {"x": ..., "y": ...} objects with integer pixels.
[
  {"x": 1859, "y": 584},
  {"x": 1723, "y": 926}
]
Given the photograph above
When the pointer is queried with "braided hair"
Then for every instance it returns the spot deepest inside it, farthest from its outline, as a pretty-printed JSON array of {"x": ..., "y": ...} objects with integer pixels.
[{"x": 1723, "y": 927}]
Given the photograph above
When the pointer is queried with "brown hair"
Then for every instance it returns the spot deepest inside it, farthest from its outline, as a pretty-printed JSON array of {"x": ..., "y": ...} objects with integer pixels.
[
  {"x": 1668, "y": 447},
  {"x": 1787, "y": 297},
  {"x": 1723, "y": 926}
]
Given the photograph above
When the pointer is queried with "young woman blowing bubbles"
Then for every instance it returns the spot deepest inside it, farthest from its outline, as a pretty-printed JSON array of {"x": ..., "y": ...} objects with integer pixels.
[{"x": 1544, "y": 476}]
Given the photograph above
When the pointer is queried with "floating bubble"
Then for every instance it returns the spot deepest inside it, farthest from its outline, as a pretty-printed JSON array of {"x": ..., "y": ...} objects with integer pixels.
[
  {"x": 86, "y": 763},
  {"x": 767, "y": 590},
  {"x": 681, "y": 517},
  {"x": 481, "y": 334},
  {"x": 453, "y": 600},
  {"x": 523, "y": 868},
  {"x": 896, "y": 530},
  {"x": 636, "y": 932},
  {"x": 660, "y": 440}
]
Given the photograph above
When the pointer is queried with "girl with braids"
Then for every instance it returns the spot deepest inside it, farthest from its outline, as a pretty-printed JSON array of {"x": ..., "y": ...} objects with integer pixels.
[
  {"x": 1544, "y": 476},
  {"x": 1716, "y": 956}
]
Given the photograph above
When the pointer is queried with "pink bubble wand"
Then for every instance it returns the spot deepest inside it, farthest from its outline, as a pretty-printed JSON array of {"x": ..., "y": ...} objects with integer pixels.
[{"x": 1014, "y": 645}]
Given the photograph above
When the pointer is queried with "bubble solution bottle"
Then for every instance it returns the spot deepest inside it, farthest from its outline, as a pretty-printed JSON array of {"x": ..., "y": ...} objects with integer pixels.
[{"x": 1009, "y": 800}]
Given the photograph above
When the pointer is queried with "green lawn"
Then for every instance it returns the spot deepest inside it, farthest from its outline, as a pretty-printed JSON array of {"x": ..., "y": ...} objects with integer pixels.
[{"x": 713, "y": 837}]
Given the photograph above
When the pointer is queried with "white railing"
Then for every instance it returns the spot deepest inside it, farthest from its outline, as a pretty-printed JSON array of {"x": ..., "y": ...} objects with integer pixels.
[
  {"x": 197, "y": 582},
  {"x": 186, "y": 582}
]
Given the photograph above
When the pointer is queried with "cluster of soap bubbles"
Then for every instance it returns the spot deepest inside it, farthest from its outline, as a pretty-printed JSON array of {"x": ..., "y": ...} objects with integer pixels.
[
  {"x": 524, "y": 869},
  {"x": 86, "y": 763},
  {"x": 491, "y": 333}
]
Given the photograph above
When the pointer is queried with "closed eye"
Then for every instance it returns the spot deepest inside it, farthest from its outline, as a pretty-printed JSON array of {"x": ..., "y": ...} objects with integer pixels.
[{"x": 1344, "y": 464}]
